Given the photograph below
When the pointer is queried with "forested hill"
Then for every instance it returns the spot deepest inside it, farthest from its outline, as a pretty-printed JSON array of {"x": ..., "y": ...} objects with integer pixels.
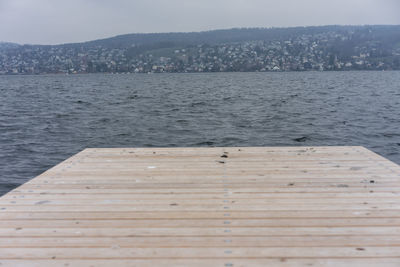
[
  {"x": 254, "y": 49},
  {"x": 388, "y": 33}
]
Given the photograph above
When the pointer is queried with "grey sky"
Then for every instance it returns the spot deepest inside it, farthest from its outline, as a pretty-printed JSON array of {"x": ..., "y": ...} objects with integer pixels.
[{"x": 60, "y": 21}]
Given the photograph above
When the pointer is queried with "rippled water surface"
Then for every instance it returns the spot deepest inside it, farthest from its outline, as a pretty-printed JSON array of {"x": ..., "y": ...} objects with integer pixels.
[{"x": 46, "y": 119}]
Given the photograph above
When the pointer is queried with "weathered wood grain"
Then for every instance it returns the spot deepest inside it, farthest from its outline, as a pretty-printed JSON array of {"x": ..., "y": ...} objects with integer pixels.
[{"x": 228, "y": 207}]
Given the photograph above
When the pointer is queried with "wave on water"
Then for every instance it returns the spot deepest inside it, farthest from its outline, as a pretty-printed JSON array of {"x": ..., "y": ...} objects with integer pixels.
[{"x": 46, "y": 119}]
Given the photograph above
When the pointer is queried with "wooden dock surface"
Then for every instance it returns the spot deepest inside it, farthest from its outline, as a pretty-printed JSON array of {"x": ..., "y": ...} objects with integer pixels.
[{"x": 228, "y": 207}]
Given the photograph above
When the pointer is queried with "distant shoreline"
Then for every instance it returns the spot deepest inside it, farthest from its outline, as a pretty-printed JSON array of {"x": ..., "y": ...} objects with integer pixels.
[
  {"x": 325, "y": 48},
  {"x": 225, "y": 72}
]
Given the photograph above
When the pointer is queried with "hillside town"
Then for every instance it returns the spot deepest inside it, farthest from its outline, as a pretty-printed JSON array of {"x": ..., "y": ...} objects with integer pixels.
[{"x": 319, "y": 52}]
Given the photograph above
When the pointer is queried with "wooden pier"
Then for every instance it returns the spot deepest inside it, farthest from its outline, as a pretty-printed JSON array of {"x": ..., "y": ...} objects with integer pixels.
[{"x": 228, "y": 207}]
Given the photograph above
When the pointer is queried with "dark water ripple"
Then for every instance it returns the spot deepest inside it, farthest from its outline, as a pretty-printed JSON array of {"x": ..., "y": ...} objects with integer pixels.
[{"x": 45, "y": 119}]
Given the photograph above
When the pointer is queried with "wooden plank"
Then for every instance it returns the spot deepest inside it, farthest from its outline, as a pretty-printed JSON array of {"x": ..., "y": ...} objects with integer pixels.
[
  {"x": 221, "y": 207},
  {"x": 198, "y": 202},
  {"x": 350, "y": 196},
  {"x": 132, "y": 215},
  {"x": 287, "y": 262},
  {"x": 75, "y": 231},
  {"x": 229, "y": 223},
  {"x": 201, "y": 241},
  {"x": 277, "y": 206},
  {"x": 118, "y": 252}
]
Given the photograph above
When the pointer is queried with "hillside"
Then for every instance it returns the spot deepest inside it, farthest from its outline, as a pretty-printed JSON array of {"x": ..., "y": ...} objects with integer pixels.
[{"x": 255, "y": 49}]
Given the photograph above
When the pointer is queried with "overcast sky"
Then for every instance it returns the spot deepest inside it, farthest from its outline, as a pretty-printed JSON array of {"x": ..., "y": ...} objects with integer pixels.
[{"x": 62, "y": 21}]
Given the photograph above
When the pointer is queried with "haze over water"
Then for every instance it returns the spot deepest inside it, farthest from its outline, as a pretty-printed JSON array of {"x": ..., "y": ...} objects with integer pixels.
[{"x": 46, "y": 119}]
